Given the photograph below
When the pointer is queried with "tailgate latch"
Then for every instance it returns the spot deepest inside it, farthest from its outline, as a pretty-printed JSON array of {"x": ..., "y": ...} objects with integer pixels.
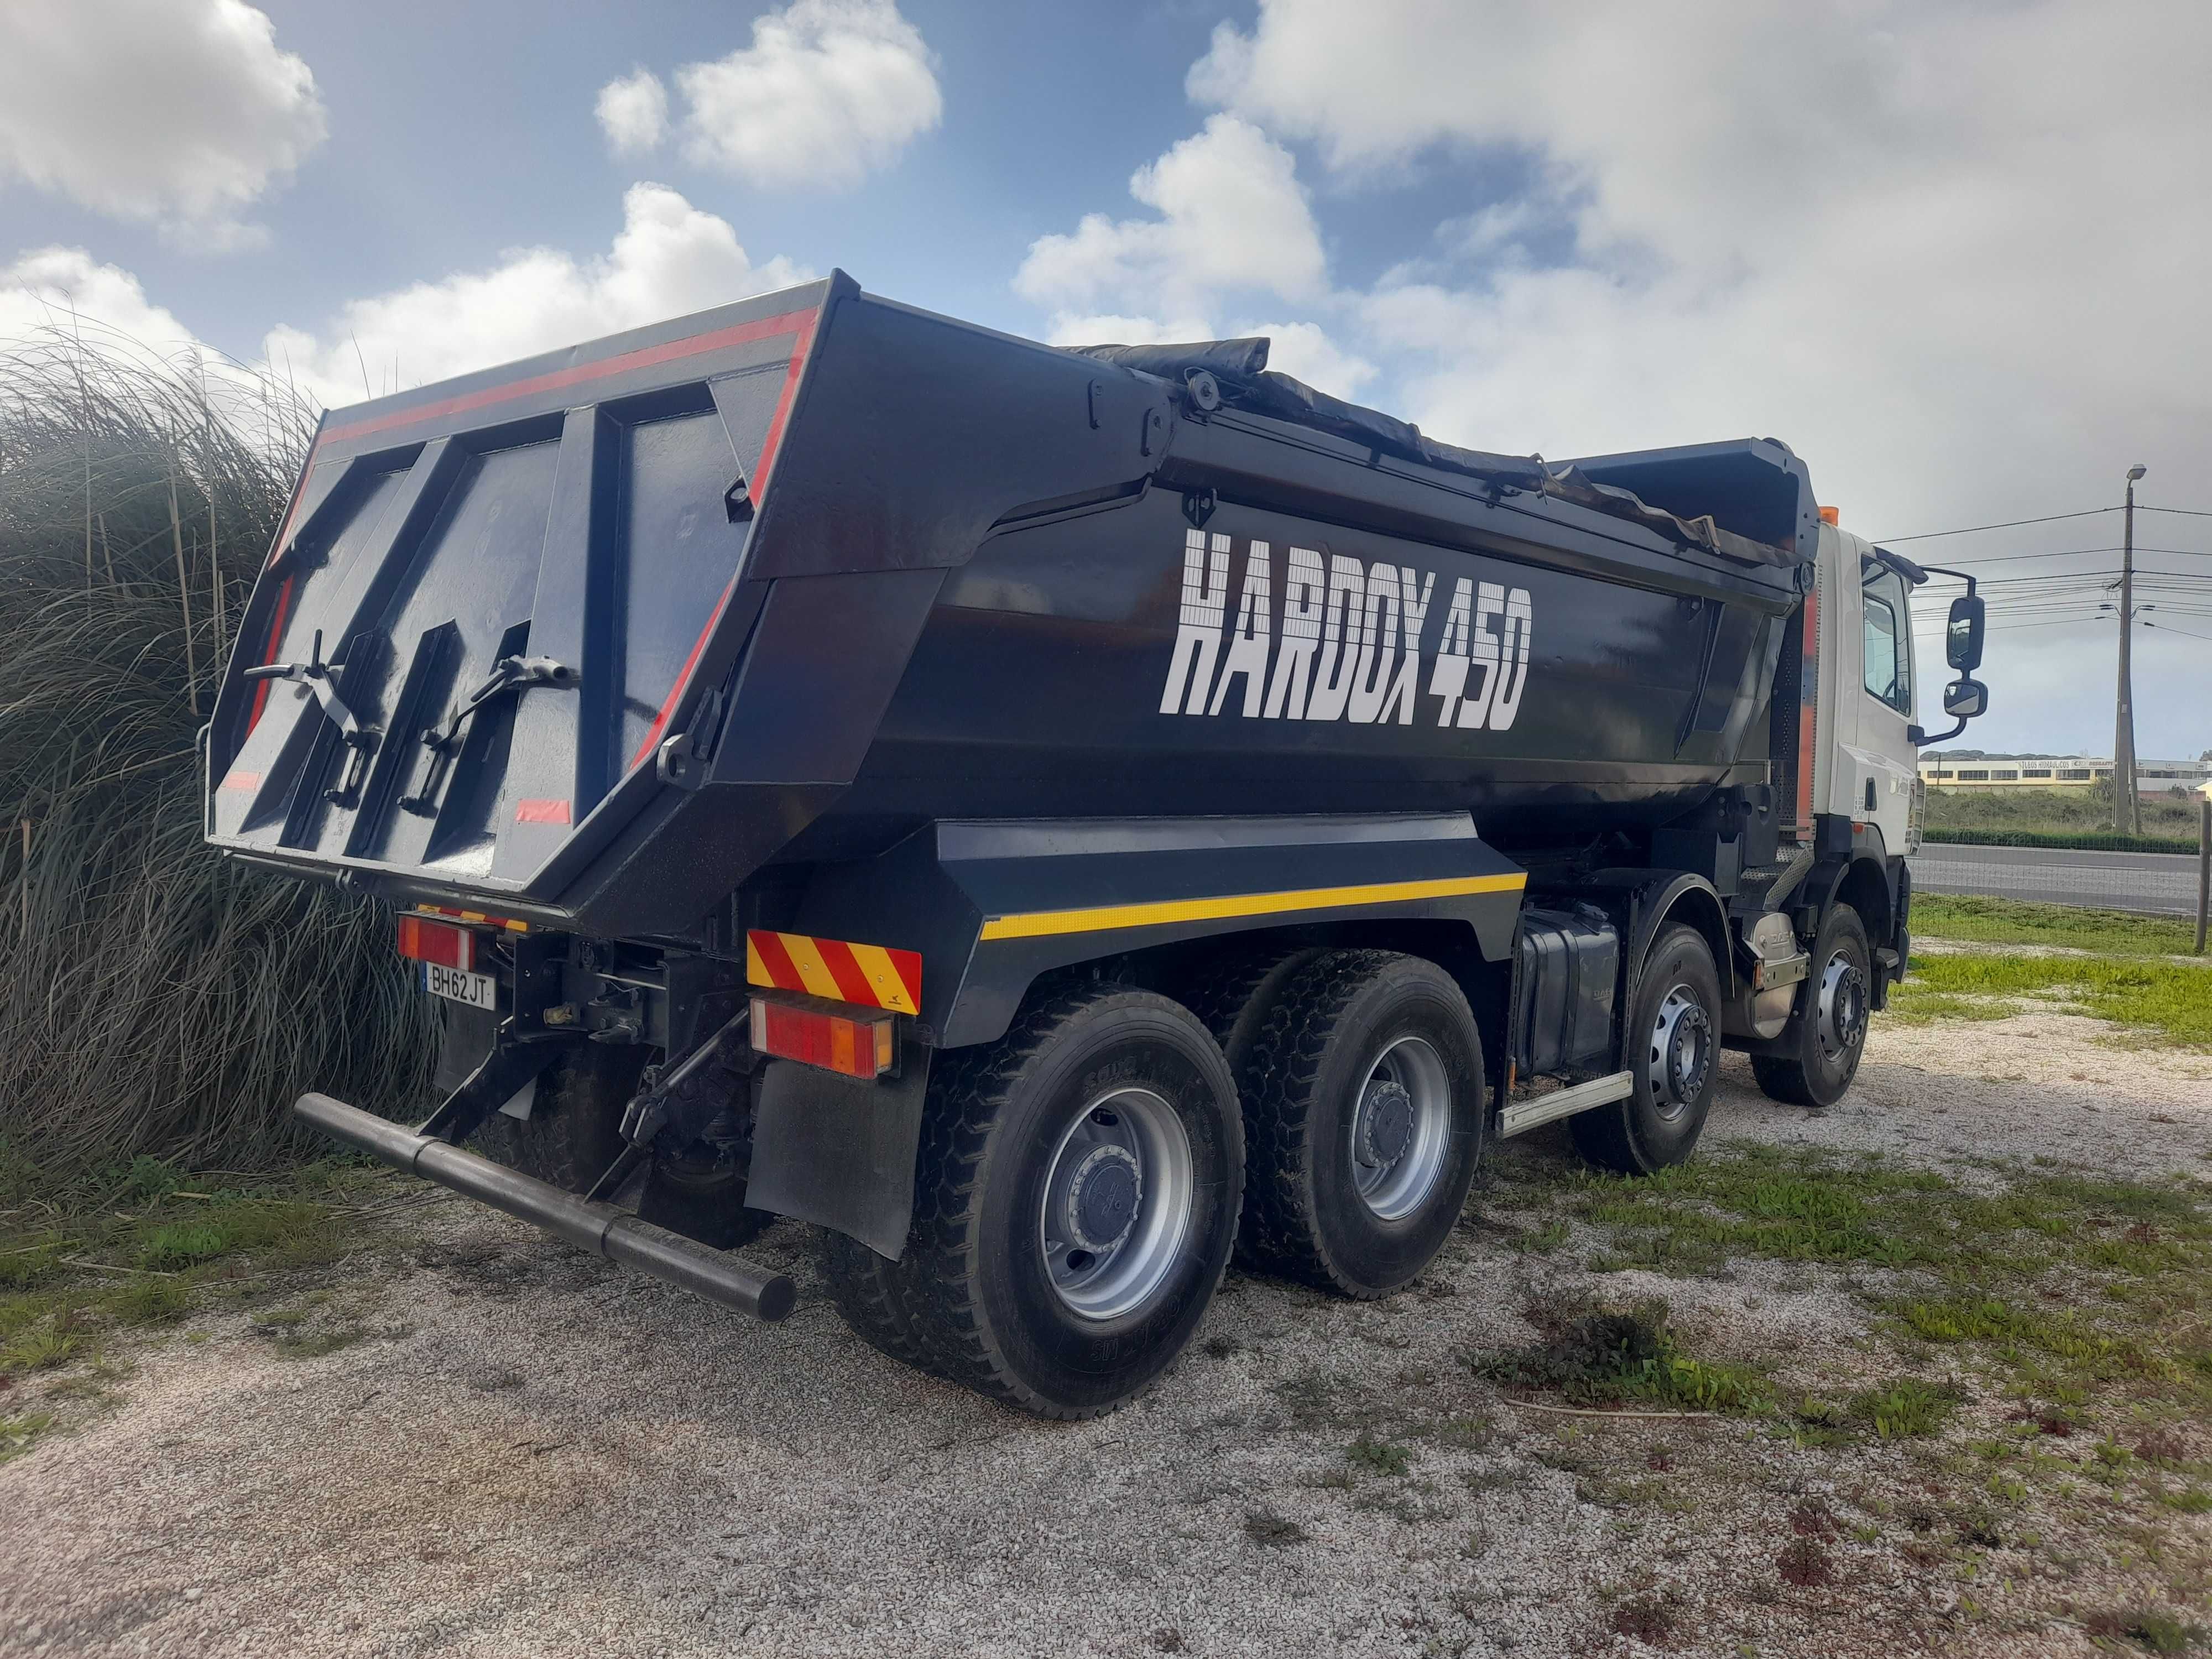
[{"x": 315, "y": 675}]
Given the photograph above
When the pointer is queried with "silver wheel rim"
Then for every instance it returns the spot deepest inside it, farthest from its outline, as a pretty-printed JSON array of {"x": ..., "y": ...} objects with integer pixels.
[
  {"x": 1119, "y": 1196},
  {"x": 1681, "y": 1054},
  {"x": 1400, "y": 1128},
  {"x": 1841, "y": 1020}
]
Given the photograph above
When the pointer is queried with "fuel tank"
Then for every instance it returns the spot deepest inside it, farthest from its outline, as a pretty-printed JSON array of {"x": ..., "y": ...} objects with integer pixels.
[{"x": 593, "y": 638}]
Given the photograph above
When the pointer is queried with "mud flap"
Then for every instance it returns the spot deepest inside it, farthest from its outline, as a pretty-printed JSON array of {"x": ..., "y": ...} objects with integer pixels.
[{"x": 838, "y": 1151}]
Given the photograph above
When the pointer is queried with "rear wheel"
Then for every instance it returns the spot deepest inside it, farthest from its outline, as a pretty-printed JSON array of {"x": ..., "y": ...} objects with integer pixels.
[
  {"x": 573, "y": 1135},
  {"x": 1365, "y": 1104},
  {"x": 1075, "y": 1201},
  {"x": 1672, "y": 1049},
  {"x": 1829, "y": 1032}
]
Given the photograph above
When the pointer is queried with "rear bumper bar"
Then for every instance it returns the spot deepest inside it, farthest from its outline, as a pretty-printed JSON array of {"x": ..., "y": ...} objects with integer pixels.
[{"x": 601, "y": 1227}]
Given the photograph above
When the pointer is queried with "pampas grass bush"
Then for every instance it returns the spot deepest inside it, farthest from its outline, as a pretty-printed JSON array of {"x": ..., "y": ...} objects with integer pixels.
[{"x": 153, "y": 998}]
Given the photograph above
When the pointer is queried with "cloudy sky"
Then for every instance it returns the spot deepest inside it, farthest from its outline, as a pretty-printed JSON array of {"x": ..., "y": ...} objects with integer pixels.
[{"x": 1958, "y": 255}]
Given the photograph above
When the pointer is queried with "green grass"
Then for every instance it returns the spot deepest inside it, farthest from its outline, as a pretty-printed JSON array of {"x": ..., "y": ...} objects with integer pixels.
[
  {"x": 2054, "y": 811},
  {"x": 142, "y": 1246},
  {"x": 1906, "y": 1408},
  {"x": 2014, "y": 921},
  {"x": 2171, "y": 998},
  {"x": 1623, "y": 1359}
]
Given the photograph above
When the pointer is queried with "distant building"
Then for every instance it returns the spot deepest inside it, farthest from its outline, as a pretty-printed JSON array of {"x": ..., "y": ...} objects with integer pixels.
[{"x": 2153, "y": 777}]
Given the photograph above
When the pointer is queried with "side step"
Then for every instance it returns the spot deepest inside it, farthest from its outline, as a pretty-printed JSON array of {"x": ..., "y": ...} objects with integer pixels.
[
  {"x": 1521, "y": 1115},
  {"x": 615, "y": 1234}
]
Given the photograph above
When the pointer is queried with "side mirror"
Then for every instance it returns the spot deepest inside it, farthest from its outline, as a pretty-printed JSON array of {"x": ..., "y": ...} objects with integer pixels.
[
  {"x": 1962, "y": 638},
  {"x": 1965, "y": 698}
]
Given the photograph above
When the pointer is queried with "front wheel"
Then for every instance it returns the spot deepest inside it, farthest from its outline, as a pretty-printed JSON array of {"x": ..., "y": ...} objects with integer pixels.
[
  {"x": 1671, "y": 1049},
  {"x": 1829, "y": 1032},
  {"x": 1075, "y": 1202}
]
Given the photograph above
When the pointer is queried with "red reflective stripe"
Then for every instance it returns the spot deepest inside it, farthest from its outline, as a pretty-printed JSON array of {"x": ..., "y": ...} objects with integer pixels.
[
  {"x": 790, "y": 322},
  {"x": 541, "y": 811},
  {"x": 242, "y": 781},
  {"x": 269, "y": 651},
  {"x": 755, "y": 486},
  {"x": 909, "y": 965},
  {"x": 781, "y": 969},
  {"x": 852, "y": 984}
]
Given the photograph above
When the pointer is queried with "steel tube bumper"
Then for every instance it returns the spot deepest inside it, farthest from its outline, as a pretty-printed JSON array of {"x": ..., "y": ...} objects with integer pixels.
[{"x": 615, "y": 1234}]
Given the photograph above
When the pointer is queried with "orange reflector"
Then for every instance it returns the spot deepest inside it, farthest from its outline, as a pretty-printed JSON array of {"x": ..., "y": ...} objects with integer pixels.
[
  {"x": 1830, "y": 515},
  {"x": 424, "y": 941},
  {"x": 858, "y": 1044}
]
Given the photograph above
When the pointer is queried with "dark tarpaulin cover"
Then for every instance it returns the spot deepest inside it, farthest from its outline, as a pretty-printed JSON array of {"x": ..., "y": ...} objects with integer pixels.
[{"x": 1240, "y": 368}]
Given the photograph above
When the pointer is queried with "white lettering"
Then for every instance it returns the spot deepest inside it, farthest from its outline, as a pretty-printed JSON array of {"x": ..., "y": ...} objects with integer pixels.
[
  {"x": 1449, "y": 681},
  {"x": 1520, "y": 621},
  {"x": 1489, "y": 601},
  {"x": 1205, "y": 596},
  {"x": 1255, "y": 632},
  {"x": 1303, "y": 585},
  {"x": 1412, "y": 618},
  {"x": 1347, "y": 588},
  {"x": 1378, "y": 646}
]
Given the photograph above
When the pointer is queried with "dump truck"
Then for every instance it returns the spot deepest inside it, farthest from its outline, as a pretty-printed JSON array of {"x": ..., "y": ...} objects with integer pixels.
[{"x": 1056, "y": 822}]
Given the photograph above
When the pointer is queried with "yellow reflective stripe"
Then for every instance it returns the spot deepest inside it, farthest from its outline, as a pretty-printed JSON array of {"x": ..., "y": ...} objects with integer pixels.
[
  {"x": 1039, "y": 923},
  {"x": 756, "y": 971},
  {"x": 820, "y": 982},
  {"x": 883, "y": 979}
]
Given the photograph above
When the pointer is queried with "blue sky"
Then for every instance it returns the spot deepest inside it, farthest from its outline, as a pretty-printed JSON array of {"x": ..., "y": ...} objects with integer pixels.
[{"x": 1950, "y": 251}]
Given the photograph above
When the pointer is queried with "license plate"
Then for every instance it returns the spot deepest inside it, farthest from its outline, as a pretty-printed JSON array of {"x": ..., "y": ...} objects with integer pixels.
[{"x": 476, "y": 990}]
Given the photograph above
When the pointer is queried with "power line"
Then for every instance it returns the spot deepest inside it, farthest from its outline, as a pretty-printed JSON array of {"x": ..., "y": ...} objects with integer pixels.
[
  {"x": 2009, "y": 524},
  {"x": 2183, "y": 632},
  {"x": 2075, "y": 553},
  {"x": 2048, "y": 518}
]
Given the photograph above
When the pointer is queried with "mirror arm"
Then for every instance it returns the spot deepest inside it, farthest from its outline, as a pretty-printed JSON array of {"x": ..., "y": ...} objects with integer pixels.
[{"x": 1920, "y": 740}]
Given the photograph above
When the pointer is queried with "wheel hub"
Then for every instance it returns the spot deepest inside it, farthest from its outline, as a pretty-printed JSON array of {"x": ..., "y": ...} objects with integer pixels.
[
  {"x": 1401, "y": 1131},
  {"x": 1386, "y": 1123},
  {"x": 1843, "y": 1006},
  {"x": 1102, "y": 1195},
  {"x": 1681, "y": 1052},
  {"x": 1118, "y": 1201}
]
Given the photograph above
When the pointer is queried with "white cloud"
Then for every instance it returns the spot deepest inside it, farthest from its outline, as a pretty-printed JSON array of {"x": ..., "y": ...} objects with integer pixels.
[
  {"x": 1106, "y": 328},
  {"x": 1304, "y": 352},
  {"x": 178, "y": 112},
  {"x": 632, "y": 112},
  {"x": 1232, "y": 217},
  {"x": 65, "y": 289},
  {"x": 1952, "y": 254},
  {"x": 670, "y": 258},
  {"x": 828, "y": 90}
]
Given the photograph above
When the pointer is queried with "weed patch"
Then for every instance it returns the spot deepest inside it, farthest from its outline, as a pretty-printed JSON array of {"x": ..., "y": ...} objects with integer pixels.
[
  {"x": 1603, "y": 1357},
  {"x": 2172, "y": 999},
  {"x": 1907, "y": 1408}
]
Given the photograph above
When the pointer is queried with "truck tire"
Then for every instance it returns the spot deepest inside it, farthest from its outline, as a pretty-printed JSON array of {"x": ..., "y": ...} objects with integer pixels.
[
  {"x": 1233, "y": 998},
  {"x": 1365, "y": 1114},
  {"x": 1671, "y": 1047},
  {"x": 1075, "y": 1201},
  {"x": 875, "y": 1298},
  {"x": 1830, "y": 1029},
  {"x": 574, "y": 1131}
]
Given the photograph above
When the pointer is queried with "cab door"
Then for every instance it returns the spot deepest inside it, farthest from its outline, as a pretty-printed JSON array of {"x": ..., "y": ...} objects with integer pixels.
[{"x": 1874, "y": 762}]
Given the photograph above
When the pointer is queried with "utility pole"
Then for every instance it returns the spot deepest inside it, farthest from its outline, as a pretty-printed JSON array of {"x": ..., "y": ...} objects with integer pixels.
[{"x": 2125, "y": 815}]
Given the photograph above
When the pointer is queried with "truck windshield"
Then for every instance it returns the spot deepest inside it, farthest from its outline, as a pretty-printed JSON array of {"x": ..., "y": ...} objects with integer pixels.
[{"x": 1888, "y": 652}]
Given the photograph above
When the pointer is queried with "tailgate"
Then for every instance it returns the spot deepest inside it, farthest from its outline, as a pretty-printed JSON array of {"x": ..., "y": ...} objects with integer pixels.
[{"x": 494, "y": 599}]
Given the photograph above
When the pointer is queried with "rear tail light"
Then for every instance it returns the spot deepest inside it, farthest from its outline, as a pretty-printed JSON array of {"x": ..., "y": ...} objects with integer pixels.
[
  {"x": 856, "y": 1041},
  {"x": 424, "y": 941}
]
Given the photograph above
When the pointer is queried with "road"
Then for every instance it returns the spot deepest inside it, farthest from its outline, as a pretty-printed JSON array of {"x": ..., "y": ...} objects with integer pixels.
[{"x": 2155, "y": 883}]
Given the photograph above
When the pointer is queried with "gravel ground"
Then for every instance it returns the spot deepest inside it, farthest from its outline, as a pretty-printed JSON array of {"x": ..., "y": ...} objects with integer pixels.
[{"x": 528, "y": 1453}]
